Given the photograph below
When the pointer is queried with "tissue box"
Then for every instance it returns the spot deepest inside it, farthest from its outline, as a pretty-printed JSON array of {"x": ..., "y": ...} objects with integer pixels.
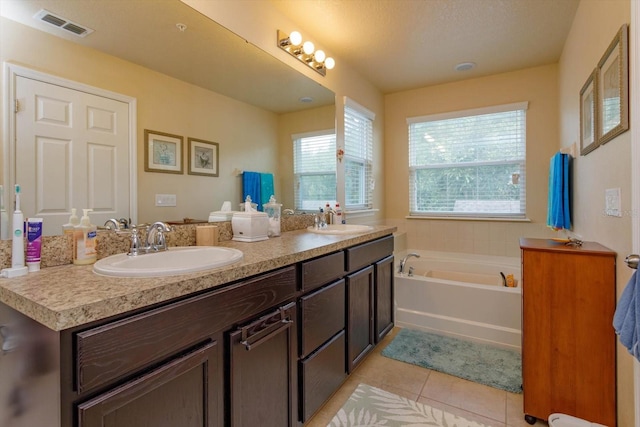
[{"x": 250, "y": 226}]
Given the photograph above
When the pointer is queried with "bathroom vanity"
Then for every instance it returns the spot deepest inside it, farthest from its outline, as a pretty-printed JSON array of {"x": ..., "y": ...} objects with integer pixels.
[{"x": 265, "y": 341}]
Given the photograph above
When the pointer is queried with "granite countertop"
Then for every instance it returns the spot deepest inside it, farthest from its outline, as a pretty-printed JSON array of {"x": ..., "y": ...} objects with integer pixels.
[{"x": 70, "y": 295}]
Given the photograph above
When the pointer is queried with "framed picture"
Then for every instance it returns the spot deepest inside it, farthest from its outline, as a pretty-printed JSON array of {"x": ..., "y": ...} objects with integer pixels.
[
  {"x": 588, "y": 105},
  {"x": 162, "y": 152},
  {"x": 203, "y": 157},
  {"x": 613, "y": 89}
]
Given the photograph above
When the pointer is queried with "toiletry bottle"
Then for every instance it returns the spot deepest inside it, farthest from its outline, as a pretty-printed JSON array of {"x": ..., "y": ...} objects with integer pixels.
[
  {"x": 328, "y": 214},
  {"x": 338, "y": 219},
  {"x": 85, "y": 240},
  {"x": 74, "y": 221}
]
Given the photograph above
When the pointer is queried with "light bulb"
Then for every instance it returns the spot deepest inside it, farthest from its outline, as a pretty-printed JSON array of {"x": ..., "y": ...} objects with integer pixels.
[
  {"x": 308, "y": 47},
  {"x": 329, "y": 63},
  {"x": 319, "y": 56},
  {"x": 295, "y": 38}
]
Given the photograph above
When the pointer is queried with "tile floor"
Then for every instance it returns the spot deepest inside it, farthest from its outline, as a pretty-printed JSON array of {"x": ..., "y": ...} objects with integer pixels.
[{"x": 475, "y": 402}]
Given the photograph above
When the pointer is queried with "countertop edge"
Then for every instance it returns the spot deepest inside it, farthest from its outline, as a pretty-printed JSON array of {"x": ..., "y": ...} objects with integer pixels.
[{"x": 69, "y": 296}]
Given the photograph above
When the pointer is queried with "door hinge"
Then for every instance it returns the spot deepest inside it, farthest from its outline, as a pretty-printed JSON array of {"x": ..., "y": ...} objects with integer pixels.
[{"x": 16, "y": 108}]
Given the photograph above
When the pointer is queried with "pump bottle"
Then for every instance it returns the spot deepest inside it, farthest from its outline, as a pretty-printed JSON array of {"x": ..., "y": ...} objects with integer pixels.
[{"x": 85, "y": 241}]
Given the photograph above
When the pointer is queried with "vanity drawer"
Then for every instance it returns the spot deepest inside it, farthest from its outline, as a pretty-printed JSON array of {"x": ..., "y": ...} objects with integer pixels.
[
  {"x": 117, "y": 349},
  {"x": 322, "y": 315},
  {"x": 323, "y": 270},
  {"x": 368, "y": 253},
  {"x": 321, "y": 375}
]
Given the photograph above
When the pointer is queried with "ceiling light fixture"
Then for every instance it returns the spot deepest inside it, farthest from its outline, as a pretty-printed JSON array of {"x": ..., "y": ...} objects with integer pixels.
[{"x": 305, "y": 52}]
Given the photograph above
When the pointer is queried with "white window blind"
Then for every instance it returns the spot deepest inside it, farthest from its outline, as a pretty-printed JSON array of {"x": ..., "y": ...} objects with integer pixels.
[
  {"x": 358, "y": 157},
  {"x": 314, "y": 168},
  {"x": 469, "y": 163}
]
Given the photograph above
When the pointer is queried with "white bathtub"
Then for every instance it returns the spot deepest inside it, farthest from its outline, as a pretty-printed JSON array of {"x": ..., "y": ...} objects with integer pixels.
[{"x": 460, "y": 295}]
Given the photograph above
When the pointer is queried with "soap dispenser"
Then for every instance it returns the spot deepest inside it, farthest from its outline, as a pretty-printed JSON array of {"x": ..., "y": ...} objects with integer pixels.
[
  {"x": 272, "y": 209},
  {"x": 74, "y": 221},
  {"x": 84, "y": 248}
]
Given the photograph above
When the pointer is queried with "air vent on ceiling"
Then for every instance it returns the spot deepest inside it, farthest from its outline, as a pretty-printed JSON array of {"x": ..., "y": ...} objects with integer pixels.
[{"x": 63, "y": 23}]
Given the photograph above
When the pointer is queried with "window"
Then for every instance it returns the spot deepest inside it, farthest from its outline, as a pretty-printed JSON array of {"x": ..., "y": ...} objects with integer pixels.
[
  {"x": 358, "y": 156},
  {"x": 469, "y": 163},
  {"x": 314, "y": 164}
]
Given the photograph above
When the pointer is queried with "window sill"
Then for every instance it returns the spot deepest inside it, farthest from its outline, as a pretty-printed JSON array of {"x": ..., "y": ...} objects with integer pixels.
[{"x": 468, "y": 218}]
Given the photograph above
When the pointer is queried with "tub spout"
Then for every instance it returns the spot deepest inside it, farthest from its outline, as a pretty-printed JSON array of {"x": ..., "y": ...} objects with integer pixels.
[{"x": 403, "y": 261}]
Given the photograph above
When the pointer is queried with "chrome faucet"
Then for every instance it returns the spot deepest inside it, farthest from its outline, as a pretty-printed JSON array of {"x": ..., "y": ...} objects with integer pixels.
[
  {"x": 156, "y": 240},
  {"x": 115, "y": 222},
  {"x": 403, "y": 261}
]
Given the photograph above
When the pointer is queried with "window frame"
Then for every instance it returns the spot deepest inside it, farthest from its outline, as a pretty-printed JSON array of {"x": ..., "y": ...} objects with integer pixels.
[
  {"x": 365, "y": 181},
  {"x": 295, "y": 138},
  {"x": 521, "y": 162}
]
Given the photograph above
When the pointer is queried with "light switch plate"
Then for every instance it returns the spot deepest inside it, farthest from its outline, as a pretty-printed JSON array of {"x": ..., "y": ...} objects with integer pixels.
[
  {"x": 612, "y": 202},
  {"x": 166, "y": 200}
]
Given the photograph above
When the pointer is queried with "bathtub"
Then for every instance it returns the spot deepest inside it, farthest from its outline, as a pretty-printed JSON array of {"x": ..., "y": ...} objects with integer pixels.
[{"x": 460, "y": 295}]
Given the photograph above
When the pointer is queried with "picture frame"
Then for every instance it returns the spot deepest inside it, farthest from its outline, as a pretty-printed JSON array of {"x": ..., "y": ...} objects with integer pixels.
[
  {"x": 613, "y": 89},
  {"x": 204, "y": 157},
  {"x": 162, "y": 152},
  {"x": 588, "y": 115}
]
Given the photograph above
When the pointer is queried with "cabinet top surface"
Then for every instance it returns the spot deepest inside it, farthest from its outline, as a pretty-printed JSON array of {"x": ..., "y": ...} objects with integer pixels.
[
  {"x": 548, "y": 245},
  {"x": 68, "y": 296}
]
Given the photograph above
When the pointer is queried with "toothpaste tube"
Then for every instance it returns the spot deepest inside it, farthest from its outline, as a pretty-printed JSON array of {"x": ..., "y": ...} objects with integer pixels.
[{"x": 34, "y": 243}]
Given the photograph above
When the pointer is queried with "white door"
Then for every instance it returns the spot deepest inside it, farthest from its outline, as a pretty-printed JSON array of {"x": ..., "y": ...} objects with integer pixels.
[{"x": 72, "y": 151}]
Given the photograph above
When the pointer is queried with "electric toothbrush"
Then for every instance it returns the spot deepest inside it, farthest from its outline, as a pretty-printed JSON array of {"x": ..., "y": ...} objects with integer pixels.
[{"x": 17, "y": 249}]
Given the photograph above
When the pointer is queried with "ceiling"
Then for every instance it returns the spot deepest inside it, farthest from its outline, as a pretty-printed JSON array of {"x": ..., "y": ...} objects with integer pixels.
[
  {"x": 405, "y": 44},
  {"x": 395, "y": 44}
]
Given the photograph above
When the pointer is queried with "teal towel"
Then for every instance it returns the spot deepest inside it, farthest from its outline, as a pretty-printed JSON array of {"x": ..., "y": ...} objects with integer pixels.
[
  {"x": 558, "y": 208},
  {"x": 266, "y": 189},
  {"x": 251, "y": 187}
]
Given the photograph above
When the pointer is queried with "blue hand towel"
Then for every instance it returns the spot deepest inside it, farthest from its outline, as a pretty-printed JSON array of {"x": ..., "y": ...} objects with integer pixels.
[
  {"x": 558, "y": 209},
  {"x": 251, "y": 186},
  {"x": 626, "y": 319},
  {"x": 266, "y": 188}
]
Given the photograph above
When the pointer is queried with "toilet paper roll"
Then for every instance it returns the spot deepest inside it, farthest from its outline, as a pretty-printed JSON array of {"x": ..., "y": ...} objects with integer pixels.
[{"x": 207, "y": 235}]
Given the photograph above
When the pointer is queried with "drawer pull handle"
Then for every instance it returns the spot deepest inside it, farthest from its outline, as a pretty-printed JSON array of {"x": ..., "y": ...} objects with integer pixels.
[{"x": 264, "y": 328}]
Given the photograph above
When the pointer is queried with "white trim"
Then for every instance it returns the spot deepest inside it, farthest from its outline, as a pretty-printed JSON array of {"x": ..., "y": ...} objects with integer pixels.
[
  {"x": 11, "y": 73},
  {"x": 296, "y": 136},
  {"x": 348, "y": 102},
  {"x": 471, "y": 112}
]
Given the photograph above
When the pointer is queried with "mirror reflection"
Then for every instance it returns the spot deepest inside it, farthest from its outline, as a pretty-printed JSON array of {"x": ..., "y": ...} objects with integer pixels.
[{"x": 195, "y": 80}]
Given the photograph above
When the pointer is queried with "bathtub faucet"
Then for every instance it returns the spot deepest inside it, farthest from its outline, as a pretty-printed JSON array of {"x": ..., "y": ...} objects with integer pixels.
[{"x": 404, "y": 261}]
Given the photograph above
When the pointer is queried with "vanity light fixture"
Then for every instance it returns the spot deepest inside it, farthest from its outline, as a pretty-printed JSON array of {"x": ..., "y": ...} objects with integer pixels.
[{"x": 305, "y": 52}]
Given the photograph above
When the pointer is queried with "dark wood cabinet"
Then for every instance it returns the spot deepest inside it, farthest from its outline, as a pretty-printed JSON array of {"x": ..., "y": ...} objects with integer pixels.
[
  {"x": 359, "y": 316},
  {"x": 384, "y": 300},
  {"x": 568, "y": 346},
  {"x": 263, "y": 372},
  {"x": 183, "y": 391}
]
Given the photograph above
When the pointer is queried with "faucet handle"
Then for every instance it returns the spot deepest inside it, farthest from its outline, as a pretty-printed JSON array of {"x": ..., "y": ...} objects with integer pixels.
[{"x": 135, "y": 242}]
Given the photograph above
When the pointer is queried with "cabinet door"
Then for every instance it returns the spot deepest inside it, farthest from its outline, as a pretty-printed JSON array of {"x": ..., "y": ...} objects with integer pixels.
[
  {"x": 263, "y": 372},
  {"x": 183, "y": 392},
  {"x": 359, "y": 316},
  {"x": 383, "y": 309}
]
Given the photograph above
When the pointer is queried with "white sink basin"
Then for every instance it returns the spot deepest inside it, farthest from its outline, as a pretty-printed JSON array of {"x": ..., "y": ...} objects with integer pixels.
[
  {"x": 341, "y": 229},
  {"x": 176, "y": 260}
]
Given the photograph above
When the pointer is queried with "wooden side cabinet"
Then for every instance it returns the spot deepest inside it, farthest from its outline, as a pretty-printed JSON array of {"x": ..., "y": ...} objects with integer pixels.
[{"x": 568, "y": 348}]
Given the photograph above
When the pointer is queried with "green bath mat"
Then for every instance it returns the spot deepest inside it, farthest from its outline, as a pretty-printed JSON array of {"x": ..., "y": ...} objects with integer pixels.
[{"x": 481, "y": 363}]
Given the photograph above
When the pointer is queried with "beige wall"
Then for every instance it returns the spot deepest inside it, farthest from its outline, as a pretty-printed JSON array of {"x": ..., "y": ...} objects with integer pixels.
[
  {"x": 247, "y": 135},
  {"x": 538, "y": 86},
  {"x": 609, "y": 166}
]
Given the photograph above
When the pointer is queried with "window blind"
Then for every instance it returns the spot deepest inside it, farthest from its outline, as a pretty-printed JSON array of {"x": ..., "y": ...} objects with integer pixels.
[
  {"x": 469, "y": 163},
  {"x": 358, "y": 157},
  {"x": 314, "y": 168}
]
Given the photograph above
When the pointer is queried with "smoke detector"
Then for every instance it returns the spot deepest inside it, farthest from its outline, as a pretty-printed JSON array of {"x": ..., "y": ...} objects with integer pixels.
[
  {"x": 465, "y": 66},
  {"x": 63, "y": 23}
]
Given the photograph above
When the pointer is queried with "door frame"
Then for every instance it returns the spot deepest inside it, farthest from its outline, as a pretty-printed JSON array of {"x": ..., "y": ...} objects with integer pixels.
[
  {"x": 11, "y": 73},
  {"x": 634, "y": 101}
]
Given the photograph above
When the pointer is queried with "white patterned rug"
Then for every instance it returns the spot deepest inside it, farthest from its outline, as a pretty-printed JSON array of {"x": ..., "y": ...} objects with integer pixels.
[{"x": 371, "y": 407}]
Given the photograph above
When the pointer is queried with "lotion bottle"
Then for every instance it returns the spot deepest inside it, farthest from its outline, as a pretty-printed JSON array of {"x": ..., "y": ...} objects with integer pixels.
[{"x": 85, "y": 241}]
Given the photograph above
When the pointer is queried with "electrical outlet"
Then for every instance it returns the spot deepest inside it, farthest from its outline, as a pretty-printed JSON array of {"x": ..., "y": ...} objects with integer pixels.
[
  {"x": 166, "y": 200},
  {"x": 612, "y": 202}
]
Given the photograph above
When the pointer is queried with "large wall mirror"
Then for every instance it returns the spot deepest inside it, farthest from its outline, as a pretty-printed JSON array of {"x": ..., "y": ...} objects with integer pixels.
[{"x": 144, "y": 38}]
